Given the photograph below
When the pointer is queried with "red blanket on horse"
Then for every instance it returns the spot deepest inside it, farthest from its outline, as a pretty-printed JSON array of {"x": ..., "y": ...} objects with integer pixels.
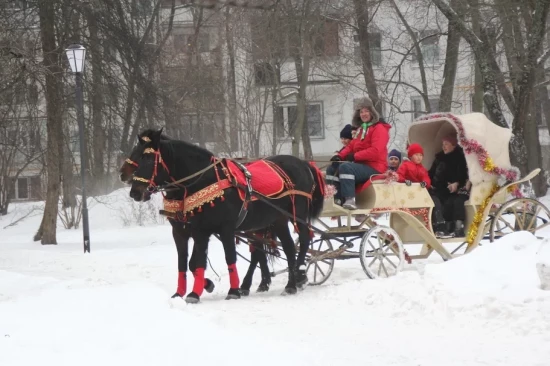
[{"x": 265, "y": 180}]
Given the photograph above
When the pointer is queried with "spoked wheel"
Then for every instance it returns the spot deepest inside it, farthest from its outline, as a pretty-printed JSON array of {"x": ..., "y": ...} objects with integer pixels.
[
  {"x": 381, "y": 252},
  {"x": 319, "y": 262},
  {"x": 519, "y": 214}
]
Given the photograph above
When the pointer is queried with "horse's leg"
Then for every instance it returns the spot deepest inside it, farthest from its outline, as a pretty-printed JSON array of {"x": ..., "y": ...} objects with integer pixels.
[
  {"x": 247, "y": 280},
  {"x": 208, "y": 284},
  {"x": 283, "y": 233},
  {"x": 264, "y": 268},
  {"x": 181, "y": 238},
  {"x": 227, "y": 237},
  {"x": 304, "y": 235},
  {"x": 201, "y": 246}
]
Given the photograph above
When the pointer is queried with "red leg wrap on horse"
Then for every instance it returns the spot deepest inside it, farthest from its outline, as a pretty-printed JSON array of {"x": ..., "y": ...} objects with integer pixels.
[
  {"x": 198, "y": 286},
  {"x": 233, "y": 276},
  {"x": 182, "y": 284}
]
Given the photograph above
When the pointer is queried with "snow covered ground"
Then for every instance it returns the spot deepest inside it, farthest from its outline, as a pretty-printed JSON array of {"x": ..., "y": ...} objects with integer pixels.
[{"x": 59, "y": 306}]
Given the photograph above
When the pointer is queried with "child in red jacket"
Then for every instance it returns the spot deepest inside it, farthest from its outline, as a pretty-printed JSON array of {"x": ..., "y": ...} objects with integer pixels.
[{"x": 413, "y": 171}]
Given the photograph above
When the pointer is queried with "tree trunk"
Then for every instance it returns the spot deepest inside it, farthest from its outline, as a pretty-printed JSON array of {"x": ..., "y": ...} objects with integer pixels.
[
  {"x": 278, "y": 122},
  {"x": 449, "y": 72},
  {"x": 68, "y": 187},
  {"x": 534, "y": 152},
  {"x": 477, "y": 99},
  {"x": 126, "y": 138},
  {"x": 520, "y": 151},
  {"x": 54, "y": 155},
  {"x": 302, "y": 73},
  {"x": 419, "y": 56},
  {"x": 231, "y": 86},
  {"x": 362, "y": 12},
  {"x": 96, "y": 92}
]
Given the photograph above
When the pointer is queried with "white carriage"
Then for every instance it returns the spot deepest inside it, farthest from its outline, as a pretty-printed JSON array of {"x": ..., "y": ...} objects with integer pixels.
[{"x": 491, "y": 211}]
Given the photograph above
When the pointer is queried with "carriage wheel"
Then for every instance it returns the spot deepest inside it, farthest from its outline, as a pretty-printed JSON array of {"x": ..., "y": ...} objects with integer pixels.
[
  {"x": 519, "y": 214},
  {"x": 319, "y": 267},
  {"x": 381, "y": 252}
]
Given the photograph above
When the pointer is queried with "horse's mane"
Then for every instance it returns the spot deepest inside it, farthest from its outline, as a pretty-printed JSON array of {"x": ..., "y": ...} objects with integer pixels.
[
  {"x": 189, "y": 147},
  {"x": 150, "y": 131}
]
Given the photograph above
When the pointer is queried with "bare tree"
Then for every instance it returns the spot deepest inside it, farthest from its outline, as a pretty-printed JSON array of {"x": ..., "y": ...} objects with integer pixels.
[
  {"x": 522, "y": 40},
  {"x": 54, "y": 148}
]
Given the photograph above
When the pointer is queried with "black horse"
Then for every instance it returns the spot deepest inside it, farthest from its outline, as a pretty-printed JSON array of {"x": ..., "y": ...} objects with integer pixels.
[
  {"x": 301, "y": 200},
  {"x": 181, "y": 234}
]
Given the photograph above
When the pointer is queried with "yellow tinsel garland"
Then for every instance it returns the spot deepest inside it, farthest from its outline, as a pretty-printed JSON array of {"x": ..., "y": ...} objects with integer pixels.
[
  {"x": 478, "y": 217},
  {"x": 489, "y": 164}
]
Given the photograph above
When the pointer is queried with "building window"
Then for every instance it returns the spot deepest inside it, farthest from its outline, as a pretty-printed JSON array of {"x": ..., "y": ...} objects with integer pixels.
[
  {"x": 15, "y": 4},
  {"x": 418, "y": 107},
  {"x": 286, "y": 116},
  {"x": 375, "y": 48},
  {"x": 429, "y": 46},
  {"x": 15, "y": 95},
  {"x": 268, "y": 40},
  {"x": 109, "y": 51},
  {"x": 186, "y": 43},
  {"x": 325, "y": 43},
  {"x": 266, "y": 74},
  {"x": 25, "y": 188},
  {"x": 203, "y": 128}
]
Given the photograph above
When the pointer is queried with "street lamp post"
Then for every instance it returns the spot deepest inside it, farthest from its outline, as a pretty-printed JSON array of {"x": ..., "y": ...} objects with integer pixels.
[{"x": 76, "y": 55}]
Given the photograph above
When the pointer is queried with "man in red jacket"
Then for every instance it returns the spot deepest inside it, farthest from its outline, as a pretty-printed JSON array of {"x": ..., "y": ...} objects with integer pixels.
[{"x": 365, "y": 155}]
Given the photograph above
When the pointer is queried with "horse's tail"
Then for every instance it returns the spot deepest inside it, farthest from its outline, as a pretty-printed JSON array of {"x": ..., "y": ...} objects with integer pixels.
[
  {"x": 272, "y": 253},
  {"x": 318, "y": 196}
]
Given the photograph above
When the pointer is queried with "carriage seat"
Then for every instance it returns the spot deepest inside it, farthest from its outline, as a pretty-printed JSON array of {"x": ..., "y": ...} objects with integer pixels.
[{"x": 378, "y": 194}]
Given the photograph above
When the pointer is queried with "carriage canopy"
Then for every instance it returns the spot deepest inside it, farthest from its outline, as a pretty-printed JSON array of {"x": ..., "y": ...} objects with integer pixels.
[{"x": 474, "y": 128}]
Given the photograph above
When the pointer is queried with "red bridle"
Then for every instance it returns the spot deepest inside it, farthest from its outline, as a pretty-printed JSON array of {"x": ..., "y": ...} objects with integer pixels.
[{"x": 158, "y": 159}]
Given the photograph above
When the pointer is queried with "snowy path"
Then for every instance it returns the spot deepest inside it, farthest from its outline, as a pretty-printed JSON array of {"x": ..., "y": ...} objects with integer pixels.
[{"x": 59, "y": 306}]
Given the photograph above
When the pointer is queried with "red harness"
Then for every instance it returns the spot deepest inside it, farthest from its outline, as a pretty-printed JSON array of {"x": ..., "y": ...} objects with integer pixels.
[
  {"x": 158, "y": 159},
  {"x": 208, "y": 194}
]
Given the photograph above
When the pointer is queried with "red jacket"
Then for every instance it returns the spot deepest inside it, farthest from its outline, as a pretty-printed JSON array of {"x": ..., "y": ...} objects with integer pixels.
[
  {"x": 373, "y": 149},
  {"x": 416, "y": 173}
]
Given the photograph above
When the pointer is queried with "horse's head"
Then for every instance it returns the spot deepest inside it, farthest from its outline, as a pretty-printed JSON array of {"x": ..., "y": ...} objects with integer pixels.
[
  {"x": 150, "y": 171},
  {"x": 130, "y": 164}
]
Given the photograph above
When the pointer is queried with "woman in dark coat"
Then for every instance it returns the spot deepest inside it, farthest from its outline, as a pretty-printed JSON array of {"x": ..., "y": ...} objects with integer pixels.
[{"x": 449, "y": 175}]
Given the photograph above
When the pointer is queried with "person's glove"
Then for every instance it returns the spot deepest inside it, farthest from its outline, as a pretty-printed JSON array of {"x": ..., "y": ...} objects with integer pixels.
[
  {"x": 335, "y": 158},
  {"x": 350, "y": 157},
  {"x": 423, "y": 184},
  {"x": 408, "y": 182}
]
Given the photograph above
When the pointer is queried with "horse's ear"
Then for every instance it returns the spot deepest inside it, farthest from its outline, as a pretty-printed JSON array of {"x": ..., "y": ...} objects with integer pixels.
[{"x": 155, "y": 138}]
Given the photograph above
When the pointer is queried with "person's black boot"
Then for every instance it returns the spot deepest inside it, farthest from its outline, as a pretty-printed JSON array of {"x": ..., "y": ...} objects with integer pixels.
[
  {"x": 440, "y": 231},
  {"x": 459, "y": 229},
  {"x": 449, "y": 227}
]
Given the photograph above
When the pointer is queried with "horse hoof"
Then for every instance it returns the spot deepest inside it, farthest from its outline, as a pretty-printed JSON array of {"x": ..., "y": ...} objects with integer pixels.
[
  {"x": 176, "y": 295},
  {"x": 289, "y": 291},
  {"x": 301, "y": 277},
  {"x": 244, "y": 292},
  {"x": 233, "y": 294},
  {"x": 192, "y": 298},
  {"x": 264, "y": 287},
  {"x": 209, "y": 285}
]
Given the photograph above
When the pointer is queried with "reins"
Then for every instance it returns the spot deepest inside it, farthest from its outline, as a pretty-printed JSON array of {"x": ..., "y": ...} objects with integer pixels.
[{"x": 200, "y": 172}]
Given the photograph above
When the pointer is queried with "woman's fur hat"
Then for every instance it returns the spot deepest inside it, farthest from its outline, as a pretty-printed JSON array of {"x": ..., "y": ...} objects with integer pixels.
[{"x": 361, "y": 103}]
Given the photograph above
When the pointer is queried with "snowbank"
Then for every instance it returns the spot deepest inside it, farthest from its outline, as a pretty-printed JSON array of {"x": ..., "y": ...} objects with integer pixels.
[
  {"x": 543, "y": 264},
  {"x": 132, "y": 324}
]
